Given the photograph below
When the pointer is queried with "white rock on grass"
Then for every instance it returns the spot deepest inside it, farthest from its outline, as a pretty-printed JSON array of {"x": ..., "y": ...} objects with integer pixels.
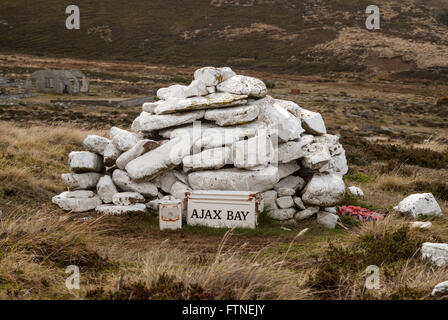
[
  {"x": 142, "y": 147},
  {"x": 356, "y": 191},
  {"x": 122, "y": 139},
  {"x": 324, "y": 190},
  {"x": 313, "y": 123},
  {"x": 111, "y": 154},
  {"x": 174, "y": 91},
  {"x": 85, "y": 161},
  {"x": 327, "y": 219},
  {"x": 440, "y": 289},
  {"x": 122, "y": 181},
  {"x": 419, "y": 204},
  {"x": 269, "y": 198},
  {"x": 208, "y": 159},
  {"x": 106, "y": 189},
  {"x": 316, "y": 156},
  {"x": 285, "y": 202},
  {"x": 299, "y": 203},
  {"x": 293, "y": 150},
  {"x": 212, "y": 76},
  {"x": 80, "y": 181},
  {"x": 282, "y": 214},
  {"x": 287, "y": 169},
  {"x": 234, "y": 179},
  {"x": 243, "y": 85},
  {"x": 421, "y": 224},
  {"x": 127, "y": 198},
  {"x": 233, "y": 115},
  {"x": 112, "y": 210},
  {"x": 148, "y": 122},
  {"x": 284, "y": 124},
  {"x": 77, "y": 201},
  {"x": 289, "y": 186},
  {"x": 215, "y": 100},
  {"x": 96, "y": 144},
  {"x": 306, "y": 213},
  {"x": 436, "y": 253},
  {"x": 165, "y": 157},
  {"x": 254, "y": 153}
]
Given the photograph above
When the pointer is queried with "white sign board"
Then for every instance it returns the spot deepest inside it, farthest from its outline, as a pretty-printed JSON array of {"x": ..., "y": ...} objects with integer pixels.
[{"x": 223, "y": 209}]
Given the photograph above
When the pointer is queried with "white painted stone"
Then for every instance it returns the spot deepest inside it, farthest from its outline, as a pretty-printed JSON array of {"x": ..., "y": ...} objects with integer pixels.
[
  {"x": 122, "y": 139},
  {"x": 212, "y": 76},
  {"x": 96, "y": 144},
  {"x": 440, "y": 289},
  {"x": 285, "y": 202},
  {"x": 148, "y": 122},
  {"x": 293, "y": 150},
  {"x": 233, "y": 115},
  {"x": 208, "y": 159},
  {"x": 291, "y": 107},
  {"x": 420, "y": 204},
  {"x": 111, "y": 154},
  {"x": 150, "y": 106},
  {"x": 234, "y": 179},
  {"x": 165, "y": 180},
  {"x": 306, "y": 213},
  {"x": 174, "y": 91},
  {"x": 313, "y": 123},
  {"x": 356, "y": 191},
  {"x": 85, "y": 161},
  {"x": 142, "y": 147},
  {"x": 212, "y": 101},
  {"x": 127, "y": 198},
  {"x": 316, "y": 156},
  {"x": 106, "y": 189},
  {"x": 289, "y": 186},
  {"x": 269, "y": 198},
  {"x": 324, "y": 190},
  {"x": 436, "y": 253},
  {"x": 178, "y": 190},
  {"x": 163, "y": 158},
  {"x": 282, "y": 214},
  {"x": 77, "y": 201},
  {"x": 243, "y": 85},
  {"x": 284, "y": 124},
  {"x": 299, "y": 203},
  {"x": 421, "y": 224},
  {"x": 287, "y": 169},
  {"x": 196, "y": 88},
  {"x": 81, "y": 181},
  {"x": 122, "y": 180},
  {"x": 327, "y": 219},
  {"x": 113, "y": 210},
  {"x": 254, "y": 153}
]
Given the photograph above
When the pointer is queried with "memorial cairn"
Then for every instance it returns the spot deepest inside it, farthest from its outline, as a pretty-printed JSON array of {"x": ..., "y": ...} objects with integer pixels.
[{"x": 222, "y": 132}]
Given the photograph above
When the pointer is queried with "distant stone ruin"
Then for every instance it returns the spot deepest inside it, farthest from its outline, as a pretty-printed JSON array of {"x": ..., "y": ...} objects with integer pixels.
[{"x": 69, "y": 82}]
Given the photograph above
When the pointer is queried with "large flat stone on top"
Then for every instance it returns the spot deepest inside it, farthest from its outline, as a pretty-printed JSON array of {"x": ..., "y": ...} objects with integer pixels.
[
  {"x": 85, "y": 161},
  {"x": 208, "y": 159},
  {"x": 77, "y": 201},
  {"x": 214, "y": 100},
  {"x": 165, "y": 157},
  {"x": 81, "y": 181},
  {"x": 243, "y": 85},
  {"x": 122, "y": 180},
  {"x": 212, "y": 76},
  {"x": 234, "y": 179},
  {"x": 147, "y": 122},
  {"x": 174, "y": 91},
  {"x": 324, "y": 190},
  {"x": 232, "y": 116}
]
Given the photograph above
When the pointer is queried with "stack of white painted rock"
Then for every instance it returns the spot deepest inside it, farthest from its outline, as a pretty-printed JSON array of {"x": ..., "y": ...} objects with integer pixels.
[{"x": 222, "y": 132}]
